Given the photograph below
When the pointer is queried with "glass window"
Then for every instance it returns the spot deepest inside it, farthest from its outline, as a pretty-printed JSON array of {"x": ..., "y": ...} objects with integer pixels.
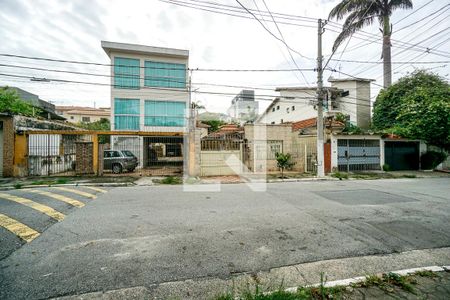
[
  {"x": 126, "y": 114},
  {"x": 164, "y": 113},
  {"x": 126, "y": 73},
  {"x": 85, "y": 119},
  {"x": 128, "y": 153},
  {"x": 268, "y": 149},
  {"x": 115, "y": 154},
  {"x": 169, "y": 75}
]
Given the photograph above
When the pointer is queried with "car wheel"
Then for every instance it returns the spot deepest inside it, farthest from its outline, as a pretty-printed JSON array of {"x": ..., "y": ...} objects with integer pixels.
[{"x": 117, "y": 169}]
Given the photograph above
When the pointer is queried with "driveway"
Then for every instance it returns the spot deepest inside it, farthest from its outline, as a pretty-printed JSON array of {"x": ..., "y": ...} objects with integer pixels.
[{"x": 140, "y": 236}]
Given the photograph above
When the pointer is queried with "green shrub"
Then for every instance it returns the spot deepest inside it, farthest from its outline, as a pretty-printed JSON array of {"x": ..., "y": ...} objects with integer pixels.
[
  {"x": 171, "y": 180},
  {"x": 62, "y": 181},
  {"x": 340, "y": 175},
  {"x": 18, "y": 185},
  {"x": 284, "y": 161},
  {"x": 432, "y": 159},
  {"x": 386, "y": 167}
]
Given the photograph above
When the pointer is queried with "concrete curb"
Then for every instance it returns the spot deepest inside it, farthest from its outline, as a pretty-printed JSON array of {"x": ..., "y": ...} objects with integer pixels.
[
  {"x": 349, "y": 281},
  {"x": 106, "y": 184}
]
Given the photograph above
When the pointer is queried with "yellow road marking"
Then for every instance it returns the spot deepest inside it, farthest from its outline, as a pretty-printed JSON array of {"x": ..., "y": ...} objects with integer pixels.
[
  {"x": 95, "y": 189},
  {"x": 84, "y": 194},
  {"x": 57, "y": 197},
  {"x": 37, "y": 206},
  {"x": 21, "y": 230}
]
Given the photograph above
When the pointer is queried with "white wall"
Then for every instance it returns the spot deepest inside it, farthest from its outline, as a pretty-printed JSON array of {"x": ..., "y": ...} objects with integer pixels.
[
  {"x": 303, "y": 110},
  {"x": 357, "y": 103}
]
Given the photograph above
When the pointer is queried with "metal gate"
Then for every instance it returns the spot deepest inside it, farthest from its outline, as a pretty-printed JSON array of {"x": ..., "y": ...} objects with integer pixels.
[
  {"x": 215, "y": 157},
  {"x": 402, "y": 155},
  {"x": 358, "y": 155}
]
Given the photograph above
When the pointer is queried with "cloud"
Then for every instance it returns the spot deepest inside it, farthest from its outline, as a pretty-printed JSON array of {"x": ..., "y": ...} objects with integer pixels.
[
  {"x": 73, "y": 30},
  {"x": 164, "y": 22}
]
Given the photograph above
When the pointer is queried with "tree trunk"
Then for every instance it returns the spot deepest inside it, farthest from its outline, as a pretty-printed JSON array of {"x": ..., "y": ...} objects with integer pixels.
[{"x": 387, "y": 63}]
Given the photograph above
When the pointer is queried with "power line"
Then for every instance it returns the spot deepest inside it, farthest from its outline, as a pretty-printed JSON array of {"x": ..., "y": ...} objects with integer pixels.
[
  {"x": 413, "y": 12},
  {"x": 143, "y": 67},
  {"x": 223, "y": 9},
  {"x": 440, "y": 11},
  {"x": 282, "y": 37},
  {"x": 271, "y": 33},
  {"x": 179, "y": 91}
]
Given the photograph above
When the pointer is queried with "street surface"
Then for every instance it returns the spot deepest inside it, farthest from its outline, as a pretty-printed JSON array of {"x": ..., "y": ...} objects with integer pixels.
[{"x": 140, "y": 236}]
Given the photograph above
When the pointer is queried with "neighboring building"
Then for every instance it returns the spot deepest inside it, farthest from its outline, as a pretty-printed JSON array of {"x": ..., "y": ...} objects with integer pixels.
[
  {"x": 149, "y": 93},
  {"x": 348, "y": 96},
  {"x": 208, "y": 116},
  {"x": 243, "y": 107},
  {"x": 47, "y": 109},
  {"x": 80, "y": 114}
]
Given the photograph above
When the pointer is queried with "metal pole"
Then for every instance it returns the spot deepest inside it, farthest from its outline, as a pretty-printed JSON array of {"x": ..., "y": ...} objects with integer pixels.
[{"x": 320, "y": 154}]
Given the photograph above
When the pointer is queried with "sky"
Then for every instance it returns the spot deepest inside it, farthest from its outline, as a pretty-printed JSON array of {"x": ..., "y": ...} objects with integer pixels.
[{"x": 73, "y": 30}]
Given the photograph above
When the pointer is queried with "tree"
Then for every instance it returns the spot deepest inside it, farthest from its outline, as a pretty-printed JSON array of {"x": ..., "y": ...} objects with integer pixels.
[
  {"x": 215, "y": 124},
  {"x": 101, "y": 125},
  {"x": 11, "y": 103},
  {"x": 417, "y": 106},
  {"x": 283, "y": 162},
  {"x": 361, "y": 13}
]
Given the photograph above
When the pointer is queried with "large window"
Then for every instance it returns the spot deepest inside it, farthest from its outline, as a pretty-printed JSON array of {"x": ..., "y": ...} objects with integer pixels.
[
  {"x": 164, "y": 113},
  {"x": 168, "y": 75},
  {"x": 126, "y": 114},
  {"x": 126, "y": 73}
]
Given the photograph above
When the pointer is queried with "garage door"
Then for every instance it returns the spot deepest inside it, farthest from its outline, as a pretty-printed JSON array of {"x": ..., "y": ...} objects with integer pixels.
[
  {"x": 402, "y": 155},
  {"x": 358, "y": 155}
]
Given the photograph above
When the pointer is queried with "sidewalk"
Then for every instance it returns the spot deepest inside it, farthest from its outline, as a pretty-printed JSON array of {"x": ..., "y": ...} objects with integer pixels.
[{"x": 272, "y": 284}]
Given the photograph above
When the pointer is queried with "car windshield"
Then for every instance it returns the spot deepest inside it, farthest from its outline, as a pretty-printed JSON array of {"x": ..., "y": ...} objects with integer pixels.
[{"x": 128, "y": 153}]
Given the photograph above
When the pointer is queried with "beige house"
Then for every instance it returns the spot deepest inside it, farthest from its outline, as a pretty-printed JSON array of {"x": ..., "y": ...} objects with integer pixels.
[{"x": 78, "y": 114}]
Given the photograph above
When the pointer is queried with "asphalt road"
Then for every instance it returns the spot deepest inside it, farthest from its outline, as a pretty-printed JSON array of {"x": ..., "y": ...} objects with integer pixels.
[{"x": 139, "y": 236}]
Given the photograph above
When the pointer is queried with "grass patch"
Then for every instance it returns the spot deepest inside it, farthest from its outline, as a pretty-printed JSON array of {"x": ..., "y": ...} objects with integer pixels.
[
  {"x": 409, "y": 176},
  {"x": 18, "y": 186},
  {"x": 340, "y": 175},
  {"x": 62, "y": 181},
  {"x": 387, "y": 281},
  {"x": 426, "y": 273},
  {"x": 302, "y": 293},
  {"x": 43, "y": 182},
  {"x": 51, "y": 181},
  {"x": 171, "y": 180},
  {"x": 404, "y": 282}
]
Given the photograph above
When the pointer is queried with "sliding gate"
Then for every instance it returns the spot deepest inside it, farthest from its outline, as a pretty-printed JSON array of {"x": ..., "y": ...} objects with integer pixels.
[{"x": 358, "y": 155}]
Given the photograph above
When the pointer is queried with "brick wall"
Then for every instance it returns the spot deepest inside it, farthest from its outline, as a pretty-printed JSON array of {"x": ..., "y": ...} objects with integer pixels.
[
  {"x": 8, "y": 145},
  {"x": 84, "y": 153}
]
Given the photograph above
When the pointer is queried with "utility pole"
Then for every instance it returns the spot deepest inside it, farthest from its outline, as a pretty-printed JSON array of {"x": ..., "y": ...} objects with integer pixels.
[{"x": 320, "y": 154}]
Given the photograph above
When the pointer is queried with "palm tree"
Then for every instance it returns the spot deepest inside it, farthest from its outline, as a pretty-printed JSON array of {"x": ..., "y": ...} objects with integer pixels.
[{"x": 361, "y": 13}]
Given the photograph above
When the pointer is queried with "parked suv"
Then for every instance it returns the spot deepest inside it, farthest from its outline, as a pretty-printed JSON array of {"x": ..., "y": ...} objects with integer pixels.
[{"x": 119, "y": 160}]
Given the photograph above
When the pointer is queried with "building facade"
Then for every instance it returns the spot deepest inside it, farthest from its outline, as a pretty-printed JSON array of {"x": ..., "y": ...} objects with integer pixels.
[
  {"x": 348, "y": 96},
  {"x": 244, "y": 107},
  {"x": 149, "y": 93},
  {"x": 80, "y": 114}
]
